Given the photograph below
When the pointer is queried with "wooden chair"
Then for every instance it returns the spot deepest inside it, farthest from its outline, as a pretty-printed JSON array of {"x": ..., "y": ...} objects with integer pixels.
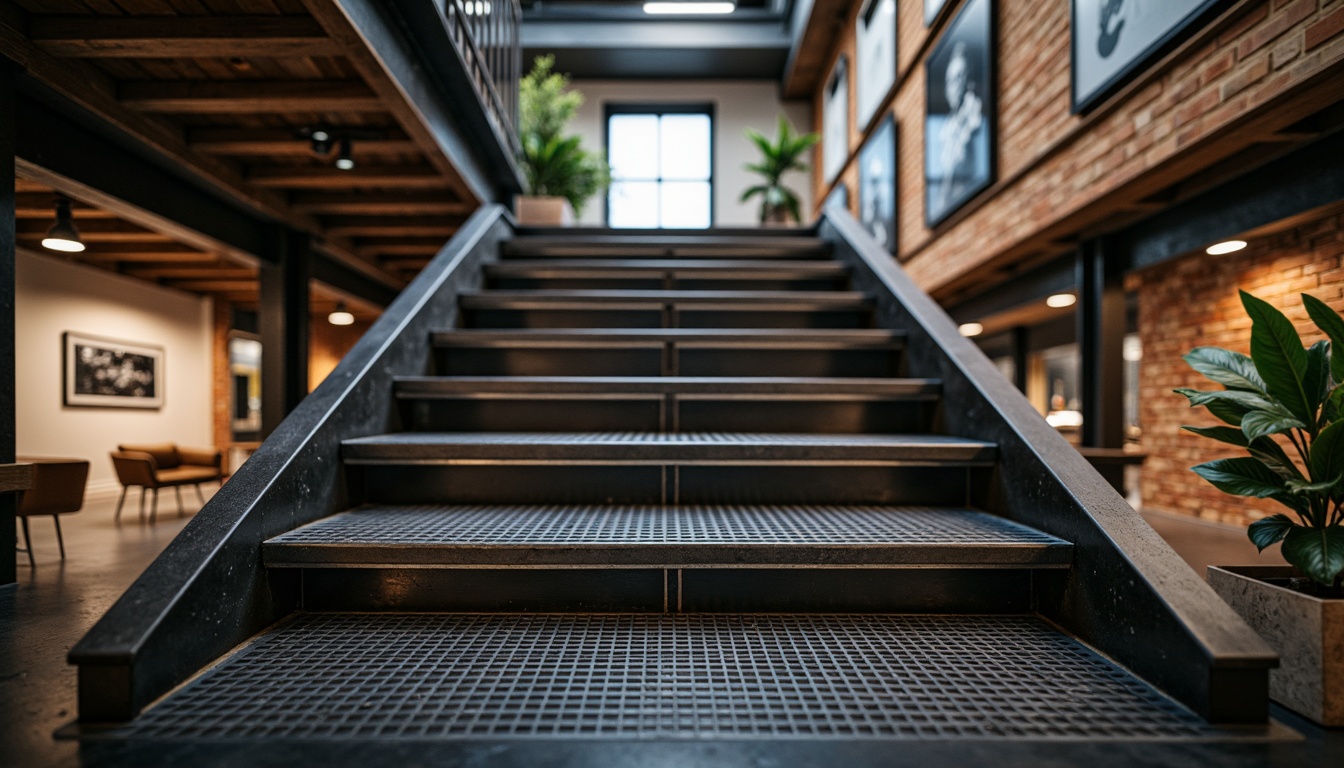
[
  {"x": 58, "y": 489},
  {"x": 163, "y": 465}
]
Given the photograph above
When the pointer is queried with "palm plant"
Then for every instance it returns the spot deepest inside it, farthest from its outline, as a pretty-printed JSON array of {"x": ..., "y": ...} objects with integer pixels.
[
  {"x": 552, "y": 163},
  {"x": 779, "y": 204}
]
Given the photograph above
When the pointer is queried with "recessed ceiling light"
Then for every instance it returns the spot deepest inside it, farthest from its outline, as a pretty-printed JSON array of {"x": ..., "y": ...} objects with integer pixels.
[
  {"x": 971, "y": 329},
  {"x": 688, "y": 8},
  {"x": 341, "y": 316},
  {"x": 1061, "y": 300},
  {"x": 1228, "y": 246},
  {"x": 63, "y": 236}
]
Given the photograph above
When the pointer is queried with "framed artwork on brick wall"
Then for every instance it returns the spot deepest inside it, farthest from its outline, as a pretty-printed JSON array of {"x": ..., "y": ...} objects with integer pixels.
[
  {"x": 959, "y": 109},
  {"x": 875, "y": 57},
  {"x": 835, "y": 121},
  {"x": 1112, "y": 39},
  {"x": 931, "y": 10},
  {"x": 877, "y": 185}
]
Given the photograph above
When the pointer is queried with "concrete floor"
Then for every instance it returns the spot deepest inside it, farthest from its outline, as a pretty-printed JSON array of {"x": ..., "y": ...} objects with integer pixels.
[{"x": 56, "y": 602}]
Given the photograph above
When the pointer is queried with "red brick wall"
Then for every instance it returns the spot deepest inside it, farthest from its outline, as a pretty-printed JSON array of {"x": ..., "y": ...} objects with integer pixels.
[
  {"x": 1259, "y": 67},
  {"x": 1193, "y": 302}
]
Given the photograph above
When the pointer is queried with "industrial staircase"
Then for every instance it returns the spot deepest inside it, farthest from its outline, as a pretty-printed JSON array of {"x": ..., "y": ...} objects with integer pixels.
[{"x": 667, "y": 487}]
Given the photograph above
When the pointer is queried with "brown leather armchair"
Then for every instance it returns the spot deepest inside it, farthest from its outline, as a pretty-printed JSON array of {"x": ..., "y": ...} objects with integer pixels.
[
  {"x": 58, "y": 489},
  {"x": 164, "y": 465}
]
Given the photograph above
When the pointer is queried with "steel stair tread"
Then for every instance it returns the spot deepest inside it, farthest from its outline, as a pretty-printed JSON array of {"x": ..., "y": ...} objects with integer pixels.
[
  {"x": 710, "y": 387},
  {"x": 681, "y": 448},
  {"x": 597, "y": 298},
  {"x": 667, "y": 246},
  {"x": 665, "y": 536},
  {"x": 395, "y": 677},
  {"x": 747, "y": 268},
  {"x": 810, "y": 337}
]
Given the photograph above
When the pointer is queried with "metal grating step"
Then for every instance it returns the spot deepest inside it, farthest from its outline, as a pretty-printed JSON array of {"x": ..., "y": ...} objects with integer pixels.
[
  {"x": 670, "y": 536},
  {"x": 690, "y": 268},
  {"x": 807, "y": 338},
  {"x": 601, "y": 298},
  {"x": 666, "y": 246},
  {"x": 712, "y": 387},
  {"x": 456, "y": 676},
  {"x": 654, "y": 448}
]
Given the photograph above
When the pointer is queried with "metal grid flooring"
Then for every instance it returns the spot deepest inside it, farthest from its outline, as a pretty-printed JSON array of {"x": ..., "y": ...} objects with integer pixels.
[
  {"x": 667, "y": 438},
  {"x": 615, "y": 524},
  {"x": 445, "y": 676}
]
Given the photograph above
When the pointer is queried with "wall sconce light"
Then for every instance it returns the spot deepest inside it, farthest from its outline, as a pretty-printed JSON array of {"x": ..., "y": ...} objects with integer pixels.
[
  {"x": 341, "y": 316},
  {"x": 345, "y": 161},
  {"x": 63, "y": 236}
]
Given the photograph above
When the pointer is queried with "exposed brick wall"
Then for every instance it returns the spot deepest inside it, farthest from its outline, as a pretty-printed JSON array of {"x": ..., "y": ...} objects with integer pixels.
[
  {"x": 220, "y": 378},
  {"x": 1258, "y": 68},
  {"x": 1193, "y": 302},
  {"x": 327, "y": 344}
]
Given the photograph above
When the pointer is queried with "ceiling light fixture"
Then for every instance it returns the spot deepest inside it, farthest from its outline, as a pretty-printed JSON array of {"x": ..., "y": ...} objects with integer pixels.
[
  {"x": 341, "y": 316},
  {"x": 1061, "y": 300},
  {"x": 345, "y": 161},
  {"x": 688, "y": 8},
  {"x": 1228, "y": 246},
  {"x": 971, "y": 329},
  {"x": 63, "y": 236},
  {"x": 321, "y": 142}
]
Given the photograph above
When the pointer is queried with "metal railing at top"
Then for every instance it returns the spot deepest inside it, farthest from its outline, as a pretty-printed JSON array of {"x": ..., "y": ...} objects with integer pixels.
[{"x": 486, "y": 32}]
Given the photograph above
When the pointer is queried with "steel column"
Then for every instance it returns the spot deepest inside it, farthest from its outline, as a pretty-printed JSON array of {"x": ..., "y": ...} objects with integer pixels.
[
  {"x": 8, "y": 501},
  {"x": 284, "y": 317},
  {"x": 1101, "y": 342}
]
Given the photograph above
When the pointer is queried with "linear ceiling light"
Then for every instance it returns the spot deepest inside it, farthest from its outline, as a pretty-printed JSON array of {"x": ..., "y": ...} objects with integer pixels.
[
  {"x": 1230, "y": 246},
  {"x": 63, "y": 236},
  {"x": 688, "y": 8}
]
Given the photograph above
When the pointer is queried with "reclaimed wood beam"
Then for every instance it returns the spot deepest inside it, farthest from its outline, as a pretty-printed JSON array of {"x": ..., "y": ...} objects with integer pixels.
[
  {"x": 228, "y": 97},
  {"x": 356, "y": 204},
  {"x": 264, "y": 142},
  {"x": 151, "y": 37},
  {"x": 323, "y": 177}
]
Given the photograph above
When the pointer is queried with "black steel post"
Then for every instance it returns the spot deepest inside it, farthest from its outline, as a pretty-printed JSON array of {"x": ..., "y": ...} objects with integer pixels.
[
  {"x": 8, "y": 501},
  {"x": 283, "y": 318},
  {"x": 1101, "y": 342},
  {"x": 1020, "y": 357}
]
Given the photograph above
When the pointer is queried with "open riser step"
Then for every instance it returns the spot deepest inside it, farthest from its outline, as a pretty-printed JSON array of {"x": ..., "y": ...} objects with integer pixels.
[
  {"x": 667, "y": 274},
  {"x": 670, "y": 352},
  {"x": 667, "y": 404},
  {"x": 665, "y": 247},
  {"x": 666, "y": 309}
]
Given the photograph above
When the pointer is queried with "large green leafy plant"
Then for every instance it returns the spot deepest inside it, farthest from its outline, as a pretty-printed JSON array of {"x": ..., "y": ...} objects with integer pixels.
[
  {"x": 1285, "y": 405},
  {"x": 552, "y": 163},
  {"x": 783, "y": 154}
]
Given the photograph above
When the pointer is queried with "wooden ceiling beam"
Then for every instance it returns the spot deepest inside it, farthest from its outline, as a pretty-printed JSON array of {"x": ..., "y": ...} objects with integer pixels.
[
  {"x": 324, "y": 177},
  {"x": 263, "y": 142},
  {"x": 392, "y": 226},
  {"x": 221, "y": 272},
  {"x": 99, "y": 256},
  {"x": 215, "y": 286},
  {"x": 42, "y": 205},
  {"x": 365, "y": 204},
  {"x": 97, "y": 231},
  {"x": 229, "y": 97},
  {"x": 391, "y": 248},
  {"x": 151, "y": 37}
]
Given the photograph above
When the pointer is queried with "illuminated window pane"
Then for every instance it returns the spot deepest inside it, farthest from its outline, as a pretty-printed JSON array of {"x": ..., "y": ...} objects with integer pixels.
[
  {"x": 661, "y": 167},
  {"x": 685, "y": 204},
  {"x": 684, "y": 145},
  {"x": 634, "y": 146},
  {"x": 633, "y": 204}
]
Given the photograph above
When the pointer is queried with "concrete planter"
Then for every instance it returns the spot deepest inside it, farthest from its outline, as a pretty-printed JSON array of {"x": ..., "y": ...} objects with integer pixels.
[
  {"x": 543, "y": 211},
  {"x": 1307, "y": 632}
]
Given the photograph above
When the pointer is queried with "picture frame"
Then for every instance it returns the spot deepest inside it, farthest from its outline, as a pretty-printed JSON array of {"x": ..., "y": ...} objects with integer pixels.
[
  {"x": 111, "y": 373},
  {"x": 875, "y": 57},
  {"x": 1110, "y": 41},
  {"x": 877, "y": 184},
  {"x": 960, "y": 103},
  {"x": 835, "y": 120},
  {"x": 931, "y": 10}
]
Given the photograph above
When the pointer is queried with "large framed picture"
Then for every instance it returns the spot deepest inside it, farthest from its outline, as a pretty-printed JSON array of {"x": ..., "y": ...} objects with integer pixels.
[
  {"x": 877, "y": 185},
  {"x": 959, "y": 113},
  {"x": 932, "y": 9},
  {"x": 1112, "y": 39},
  {"x": 111, "y": 374},
  {"x": 835, "y": 121},
  {"x": 875, "y": 65}
]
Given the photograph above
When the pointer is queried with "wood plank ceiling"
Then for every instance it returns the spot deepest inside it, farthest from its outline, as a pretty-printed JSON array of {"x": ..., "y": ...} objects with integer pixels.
[{"x": 229, "y": 90}]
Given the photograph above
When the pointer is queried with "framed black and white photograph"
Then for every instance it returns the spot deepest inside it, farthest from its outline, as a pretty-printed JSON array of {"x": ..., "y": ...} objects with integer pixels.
[
  {"x": 1112, "y": 39},
  {"x": 932, "y": 9},
  {"x": 839, "y": 197},
  {"x": 877, "y": 185},
  {"x": 110, "y": 373},
  {"x": 959, "y": 112},
  {"x": 875, "y": 65},
  {"x": 835, "y": 121}
]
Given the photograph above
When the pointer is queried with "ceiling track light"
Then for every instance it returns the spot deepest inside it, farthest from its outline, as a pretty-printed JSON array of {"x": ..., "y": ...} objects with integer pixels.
[
  {"x": 321, "y": 139},
  {"x": 345, "y": 160},
  {"x": 63, "y": 236},
  {"x": 684, "y": 8},
  {"x": 341, "y": 316}
]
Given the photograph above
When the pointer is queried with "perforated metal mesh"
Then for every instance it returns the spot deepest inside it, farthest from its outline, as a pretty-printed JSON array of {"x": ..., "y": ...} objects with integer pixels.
[
  {"x": 668, "y": 438},
  {"x": 432, "y": 676},
  {"x": 597, "y": 524}
]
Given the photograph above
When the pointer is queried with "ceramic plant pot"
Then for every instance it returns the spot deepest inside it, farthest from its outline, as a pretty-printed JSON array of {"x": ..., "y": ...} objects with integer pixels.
[
  {"x": 1306, "y": 631},
  {"x": 543, "y": 211}
]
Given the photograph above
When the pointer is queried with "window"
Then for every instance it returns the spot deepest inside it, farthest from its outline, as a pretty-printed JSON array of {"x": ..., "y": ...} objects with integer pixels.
[{"x": 662, "y": 163}]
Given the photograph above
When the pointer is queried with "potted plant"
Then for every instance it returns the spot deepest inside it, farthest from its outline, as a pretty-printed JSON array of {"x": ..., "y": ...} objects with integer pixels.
[
  {"x": 560, "y": 175},
  {"x": 1285, "y": 406},
  {"x": 779, "y": 204}
]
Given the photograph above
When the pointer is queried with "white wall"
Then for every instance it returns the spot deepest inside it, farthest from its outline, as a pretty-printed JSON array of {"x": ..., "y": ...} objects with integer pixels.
[
  {"x": 54, "y": 296},
  {"x": 738, "y": 105}
]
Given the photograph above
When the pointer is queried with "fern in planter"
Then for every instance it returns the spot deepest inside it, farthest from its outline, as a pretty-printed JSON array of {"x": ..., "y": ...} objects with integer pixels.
[
  {"x": 779, "y": 204},
  {"x": 1296, "y": 394},
  {"x": 552, "y": 163}
]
